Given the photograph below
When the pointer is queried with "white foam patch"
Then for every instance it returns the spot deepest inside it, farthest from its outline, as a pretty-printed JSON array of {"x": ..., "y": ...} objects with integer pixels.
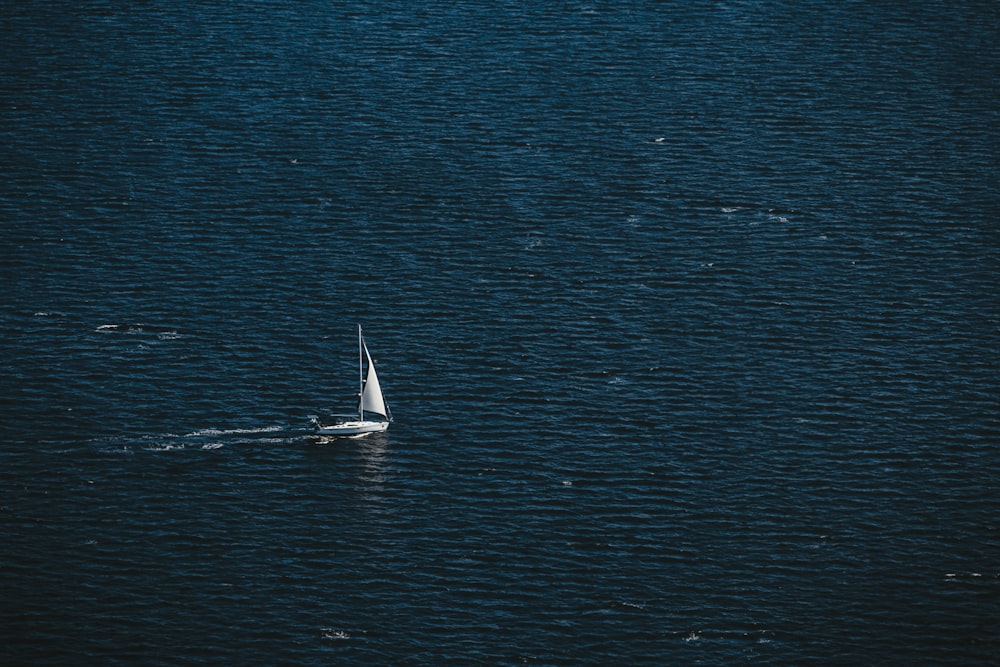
[
  {"x": 333, "y": 634},
  {"x": 163, "y": 447}
]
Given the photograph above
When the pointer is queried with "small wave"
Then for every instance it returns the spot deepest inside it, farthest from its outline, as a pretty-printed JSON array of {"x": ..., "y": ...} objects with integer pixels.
[
  {"x": 755, "y": 635},
  {"x": 122, "y": 328},
  {"x": 532, "y": 242},
  {"x": 630, "y": 605},
  {"x": 131, "y": 329},
  {"x": 958, "y": 576}
]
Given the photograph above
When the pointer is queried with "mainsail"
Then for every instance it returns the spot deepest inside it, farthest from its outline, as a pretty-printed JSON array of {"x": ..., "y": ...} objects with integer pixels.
[{"x": 371, "y": 394}]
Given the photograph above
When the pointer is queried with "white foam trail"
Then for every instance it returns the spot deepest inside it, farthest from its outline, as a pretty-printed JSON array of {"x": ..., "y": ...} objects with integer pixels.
[
  {"x": 233, "y": 431},
  {"x": 163, "y": 447}
]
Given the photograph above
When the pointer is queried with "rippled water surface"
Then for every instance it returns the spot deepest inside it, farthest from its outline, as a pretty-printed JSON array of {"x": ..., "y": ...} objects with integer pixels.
[{"x": 687, "y": 314}]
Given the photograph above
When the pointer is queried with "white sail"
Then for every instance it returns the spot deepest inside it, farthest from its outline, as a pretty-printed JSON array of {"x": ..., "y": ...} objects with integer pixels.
[{"x": 371, "y": 396}]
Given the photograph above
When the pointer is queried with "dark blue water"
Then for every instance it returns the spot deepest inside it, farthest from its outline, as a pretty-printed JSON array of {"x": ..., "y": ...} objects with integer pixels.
[{"x": 687, "y": 313}]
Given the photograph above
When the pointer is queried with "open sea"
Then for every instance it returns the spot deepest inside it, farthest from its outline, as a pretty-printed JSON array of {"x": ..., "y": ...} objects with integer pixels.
[{"x": 688, "y": 314}]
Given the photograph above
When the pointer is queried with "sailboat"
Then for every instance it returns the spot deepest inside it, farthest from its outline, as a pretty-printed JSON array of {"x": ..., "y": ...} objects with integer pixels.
[{"x": 371, "y": 403}]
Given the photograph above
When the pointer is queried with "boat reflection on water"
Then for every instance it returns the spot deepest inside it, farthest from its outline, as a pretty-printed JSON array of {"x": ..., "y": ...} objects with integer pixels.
[{"x": 374, "y": 451}]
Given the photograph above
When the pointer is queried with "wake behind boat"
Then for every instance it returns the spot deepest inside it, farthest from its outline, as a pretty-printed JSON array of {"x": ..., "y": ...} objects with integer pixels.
[{"x": 371, "y": 402}]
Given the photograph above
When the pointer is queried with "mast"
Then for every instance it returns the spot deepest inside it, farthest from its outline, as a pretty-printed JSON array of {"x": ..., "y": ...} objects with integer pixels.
[{"x": 361, "y": 380}]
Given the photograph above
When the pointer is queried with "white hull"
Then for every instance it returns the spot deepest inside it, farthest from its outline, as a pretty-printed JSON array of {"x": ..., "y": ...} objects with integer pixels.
[{"x": 345, "y": 429}]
